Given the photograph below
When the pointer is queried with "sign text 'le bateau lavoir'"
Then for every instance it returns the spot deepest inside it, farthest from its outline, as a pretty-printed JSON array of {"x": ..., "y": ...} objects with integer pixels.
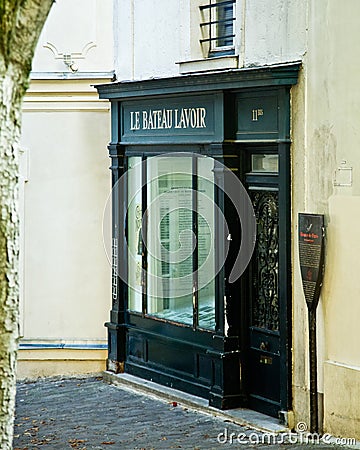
[{"x": 159, "y": 119}]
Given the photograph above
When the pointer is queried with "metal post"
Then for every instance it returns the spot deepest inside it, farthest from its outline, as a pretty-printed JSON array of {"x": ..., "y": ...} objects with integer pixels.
[
  {"x": 312, "y": 263},
  {"x": 314, "y": 424}
]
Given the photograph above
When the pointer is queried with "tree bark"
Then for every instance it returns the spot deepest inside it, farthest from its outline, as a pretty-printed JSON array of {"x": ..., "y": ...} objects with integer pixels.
[{"x": 21, "y": 22}]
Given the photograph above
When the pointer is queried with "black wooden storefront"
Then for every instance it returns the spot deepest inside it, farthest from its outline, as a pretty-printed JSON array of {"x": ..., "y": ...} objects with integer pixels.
[{"x": 241, "y": 118}]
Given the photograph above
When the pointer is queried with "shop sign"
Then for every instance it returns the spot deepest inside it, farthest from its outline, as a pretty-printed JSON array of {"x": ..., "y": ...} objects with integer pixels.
[
  {"x": 185, "y": 119},
  {"x": 168, "y": 119}
]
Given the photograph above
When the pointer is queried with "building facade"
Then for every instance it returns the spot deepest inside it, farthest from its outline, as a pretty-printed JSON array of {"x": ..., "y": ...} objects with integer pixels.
[
  {"x": 64, "y": 188},
  {"x": 261, "y": 90}
]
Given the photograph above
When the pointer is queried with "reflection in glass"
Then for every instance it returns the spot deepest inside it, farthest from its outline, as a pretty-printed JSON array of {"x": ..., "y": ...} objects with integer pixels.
[
  {"x": 179, "y": 241},
  {"x": 206, "y": 239},
  {"x": 265, "y": 163},
  {"x": 134, "y": 239},
  {"x": 170, "y": 238}
]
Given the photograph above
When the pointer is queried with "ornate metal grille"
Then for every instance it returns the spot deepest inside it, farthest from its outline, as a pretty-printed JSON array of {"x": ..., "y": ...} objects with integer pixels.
[
  {"x": 265, "y": 305},
  {"x": 114, "y": 271}
]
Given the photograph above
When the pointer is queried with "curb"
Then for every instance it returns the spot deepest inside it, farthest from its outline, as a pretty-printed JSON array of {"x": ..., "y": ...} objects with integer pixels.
[{"x": 240, "y": 416}]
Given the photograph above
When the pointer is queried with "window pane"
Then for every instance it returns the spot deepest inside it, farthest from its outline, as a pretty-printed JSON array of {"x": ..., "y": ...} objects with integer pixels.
[
  {"x": 134, "y": 221},
  {"x": 265, "y": 163},
  {"x": 206, "y": 239},
  {"x": 225, "y": 25},
  {"x": 170, "y": 239}
]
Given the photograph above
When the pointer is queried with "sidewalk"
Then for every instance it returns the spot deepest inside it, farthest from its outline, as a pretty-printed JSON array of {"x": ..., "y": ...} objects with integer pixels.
[{"x": 88, "y": 413}]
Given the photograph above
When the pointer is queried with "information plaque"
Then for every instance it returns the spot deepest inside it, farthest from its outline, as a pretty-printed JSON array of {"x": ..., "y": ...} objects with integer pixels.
[{"x": 311, "y": 255}]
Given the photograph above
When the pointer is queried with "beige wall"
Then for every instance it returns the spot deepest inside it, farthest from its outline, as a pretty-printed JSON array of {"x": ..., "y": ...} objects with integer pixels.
[
  {"x": 65, "y": 183},
  {"x": 65, "y": 295},
  {"x": 326, "y": 136},
  {"x": 47, "y": 362}
]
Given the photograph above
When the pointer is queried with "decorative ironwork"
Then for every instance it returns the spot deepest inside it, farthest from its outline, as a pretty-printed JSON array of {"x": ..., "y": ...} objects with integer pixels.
[
  {"x": 265, "y": 305},
  {"x": 114, "y": 272}
]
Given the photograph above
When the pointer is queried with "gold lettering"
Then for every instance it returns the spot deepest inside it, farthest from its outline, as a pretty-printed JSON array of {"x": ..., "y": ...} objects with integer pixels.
[
  {"x": 182, "y": 119},
  {"x": 150, "y": 121},
  {"x": 202, "y": 118},
  {"x": 176, "y": 119},
  {"x": 168, "y": 118},
  {"x": 163, "y": 121},
  {"x": 157, "y": 119},
  {"x": 145, "y": 120},
  {"x": 134, "y": 120},
  {"x": 256, "y": 113},
  {"x": 193, "y": 121}
]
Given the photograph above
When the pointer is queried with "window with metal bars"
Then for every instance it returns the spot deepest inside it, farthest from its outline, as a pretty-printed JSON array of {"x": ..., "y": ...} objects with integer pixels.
[{"x": 218, "y": 26}]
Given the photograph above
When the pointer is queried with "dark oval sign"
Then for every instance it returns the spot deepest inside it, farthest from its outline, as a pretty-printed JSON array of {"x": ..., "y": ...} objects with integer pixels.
[{"x": 311, "y": 256}]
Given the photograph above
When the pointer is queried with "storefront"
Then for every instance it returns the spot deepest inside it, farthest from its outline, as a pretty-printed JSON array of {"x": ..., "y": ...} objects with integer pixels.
[{"x": 181, "y": 228}]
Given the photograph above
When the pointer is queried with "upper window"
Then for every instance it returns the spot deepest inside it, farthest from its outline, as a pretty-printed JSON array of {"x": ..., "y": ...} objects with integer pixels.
[{"x": 217, "y": 26}]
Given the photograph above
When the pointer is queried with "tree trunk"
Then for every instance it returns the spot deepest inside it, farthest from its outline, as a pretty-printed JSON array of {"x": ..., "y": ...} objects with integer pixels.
[{"x": 21, "y": 22}]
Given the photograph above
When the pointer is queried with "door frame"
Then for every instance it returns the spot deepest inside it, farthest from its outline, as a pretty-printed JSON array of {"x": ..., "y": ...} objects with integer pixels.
[{"x": 283, "y": 183}]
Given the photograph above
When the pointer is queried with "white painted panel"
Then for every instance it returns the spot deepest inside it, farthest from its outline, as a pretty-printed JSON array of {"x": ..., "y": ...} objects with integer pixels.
[{"x": 81, "y": 29}]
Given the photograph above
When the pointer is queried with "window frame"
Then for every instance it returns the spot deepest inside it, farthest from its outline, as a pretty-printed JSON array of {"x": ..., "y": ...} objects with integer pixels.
[
  {"x": 211, "y": 25},
  {"x": 197, "y": 320}
]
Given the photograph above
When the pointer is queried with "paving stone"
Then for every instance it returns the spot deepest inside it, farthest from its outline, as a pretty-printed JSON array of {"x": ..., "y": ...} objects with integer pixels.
[{"x": 89, "y": 414}]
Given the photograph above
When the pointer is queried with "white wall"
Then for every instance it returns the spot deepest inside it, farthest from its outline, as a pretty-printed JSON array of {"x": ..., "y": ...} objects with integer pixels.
[
  {"x": 275, "y": 31},
  {"x": 150, "y": 45},
  {"x": 152, "y": 38},
  {"x": 81, "y": 28}
]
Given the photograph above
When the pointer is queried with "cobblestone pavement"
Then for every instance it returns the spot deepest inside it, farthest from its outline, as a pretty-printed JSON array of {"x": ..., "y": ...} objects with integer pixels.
[{"x": 88, "y": 414}]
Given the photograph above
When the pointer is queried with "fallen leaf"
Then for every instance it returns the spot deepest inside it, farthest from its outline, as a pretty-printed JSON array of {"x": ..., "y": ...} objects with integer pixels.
[
  {"x": 44, "y": 441},
  {"x": 74, "y": 443},
  {"x": 108, "y": 443}
]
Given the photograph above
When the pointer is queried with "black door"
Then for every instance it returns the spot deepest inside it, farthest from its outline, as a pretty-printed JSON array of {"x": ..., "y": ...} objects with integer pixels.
[{"x": 267, "y": 349}]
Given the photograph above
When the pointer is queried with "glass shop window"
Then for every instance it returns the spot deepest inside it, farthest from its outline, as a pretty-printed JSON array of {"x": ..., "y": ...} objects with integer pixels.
[
  {"x": 177, "y": 245},
  {"x": 134, "y": 238}
]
